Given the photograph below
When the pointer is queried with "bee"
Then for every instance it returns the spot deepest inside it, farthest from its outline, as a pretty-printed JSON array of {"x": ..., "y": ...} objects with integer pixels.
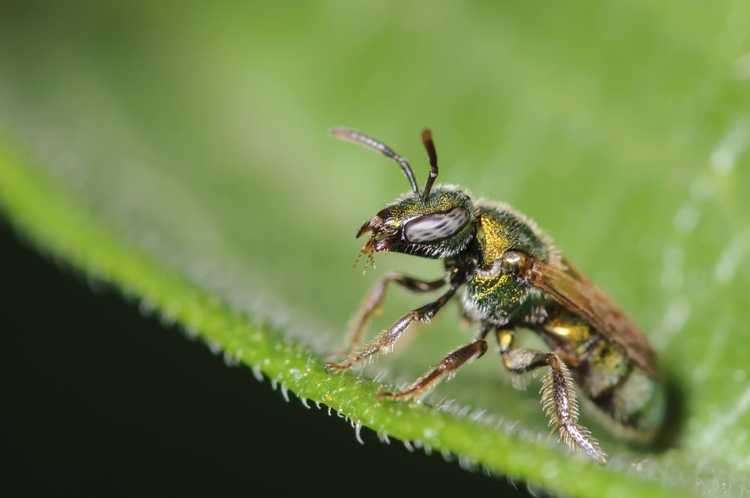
[{"x": 509, "y": 276}]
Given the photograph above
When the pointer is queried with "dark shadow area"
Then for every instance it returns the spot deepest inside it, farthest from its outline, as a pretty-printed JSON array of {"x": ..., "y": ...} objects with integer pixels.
[
  {"x": 99, "y": 400},
  {"x": 674, "y": 421}
]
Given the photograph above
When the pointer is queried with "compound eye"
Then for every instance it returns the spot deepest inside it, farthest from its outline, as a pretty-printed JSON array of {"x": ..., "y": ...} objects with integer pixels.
[
  {"x": 436, "y": 226},
  {"x": 513, "y": 261}
]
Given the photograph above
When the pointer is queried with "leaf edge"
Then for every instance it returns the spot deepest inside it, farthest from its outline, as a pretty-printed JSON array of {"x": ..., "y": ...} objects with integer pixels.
[{"x": 51, "y": 220}]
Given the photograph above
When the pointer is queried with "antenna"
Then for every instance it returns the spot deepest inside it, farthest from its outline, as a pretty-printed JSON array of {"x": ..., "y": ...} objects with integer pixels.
[
  {"x": 360, "y": 138},
  {"x": 432, "y": 154}
]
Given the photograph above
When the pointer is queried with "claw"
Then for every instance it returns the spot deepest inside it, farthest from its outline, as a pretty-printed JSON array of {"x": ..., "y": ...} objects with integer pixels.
[
  {"x": 399, "y": 395},
  {"x": 344, "y": 365},
  {"x": 386, "y": 395}
]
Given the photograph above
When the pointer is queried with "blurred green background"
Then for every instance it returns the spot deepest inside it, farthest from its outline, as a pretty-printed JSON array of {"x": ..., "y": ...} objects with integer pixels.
[{"x": 199, "y": 134}]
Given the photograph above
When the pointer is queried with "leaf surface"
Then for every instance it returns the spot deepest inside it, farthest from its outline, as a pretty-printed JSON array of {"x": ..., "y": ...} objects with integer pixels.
[{"x": 183, "y": 155}]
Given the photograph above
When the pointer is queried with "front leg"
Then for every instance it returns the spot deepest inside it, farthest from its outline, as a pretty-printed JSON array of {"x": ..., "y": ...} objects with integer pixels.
[
  {"x": 384, "y": 342},
  {"x": 558, "y": 393},
  {"x": 371, "y": 304}
]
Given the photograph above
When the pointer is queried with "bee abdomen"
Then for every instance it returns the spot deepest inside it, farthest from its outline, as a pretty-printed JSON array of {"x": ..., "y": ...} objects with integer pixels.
[
  {"x": 634, "y": 408},
  {"x": 640, "y": 402}
]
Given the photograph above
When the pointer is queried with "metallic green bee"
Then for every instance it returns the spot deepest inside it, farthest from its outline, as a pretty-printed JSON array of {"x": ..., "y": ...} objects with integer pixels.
[{"x": 510, "y": 276}]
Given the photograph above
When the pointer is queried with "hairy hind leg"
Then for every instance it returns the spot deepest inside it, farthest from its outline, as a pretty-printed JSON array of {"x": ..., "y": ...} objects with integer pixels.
[
  {"x": 371, "y": 305},
  {"x": 558, "y": 393}
]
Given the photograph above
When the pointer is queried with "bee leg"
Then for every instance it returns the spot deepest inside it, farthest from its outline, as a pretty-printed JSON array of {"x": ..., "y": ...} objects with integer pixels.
[
  {"x": 447, "y": 367},
  {"x": 385, "y": 341},
  {"x": 371, "y": 305},
  {"x": 558, "y": 393}
]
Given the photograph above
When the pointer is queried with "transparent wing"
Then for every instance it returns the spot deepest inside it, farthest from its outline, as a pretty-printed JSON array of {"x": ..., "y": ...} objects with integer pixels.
[{"x": 580, "y": 296}]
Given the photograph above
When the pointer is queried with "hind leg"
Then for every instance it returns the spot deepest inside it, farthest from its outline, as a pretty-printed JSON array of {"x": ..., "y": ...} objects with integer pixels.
[{"x": 558, "y": 393}]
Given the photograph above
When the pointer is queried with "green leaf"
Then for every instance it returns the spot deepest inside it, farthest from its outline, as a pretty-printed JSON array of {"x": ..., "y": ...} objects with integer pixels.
[{"x": 183, "y": 155}]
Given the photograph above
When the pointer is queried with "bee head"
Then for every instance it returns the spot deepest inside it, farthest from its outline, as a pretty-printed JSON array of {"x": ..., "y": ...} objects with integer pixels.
[{"x": 435, "y": 223}]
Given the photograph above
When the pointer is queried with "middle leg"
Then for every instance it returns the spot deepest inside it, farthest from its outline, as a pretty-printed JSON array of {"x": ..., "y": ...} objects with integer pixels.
[{"x": 447, "y": 366}]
